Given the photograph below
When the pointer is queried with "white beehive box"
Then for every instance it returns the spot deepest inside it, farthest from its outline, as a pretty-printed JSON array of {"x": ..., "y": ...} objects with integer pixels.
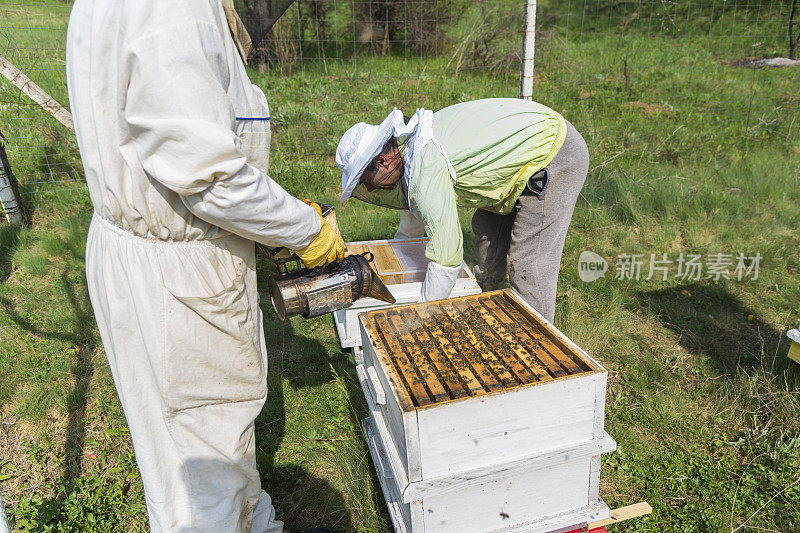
[
  {"x": 794, "y": 348},
  {"x": 483, "y": 417},
  {"x": 401, "y": 265}
]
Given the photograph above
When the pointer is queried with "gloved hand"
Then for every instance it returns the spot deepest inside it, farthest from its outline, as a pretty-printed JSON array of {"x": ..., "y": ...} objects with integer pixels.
[
  {"x": 439, "y": 281},
  {"x": 326, "y": 247}
]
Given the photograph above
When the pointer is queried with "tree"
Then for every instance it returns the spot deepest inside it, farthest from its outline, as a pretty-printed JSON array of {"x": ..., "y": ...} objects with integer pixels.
[{"x": 259, "y": 16}]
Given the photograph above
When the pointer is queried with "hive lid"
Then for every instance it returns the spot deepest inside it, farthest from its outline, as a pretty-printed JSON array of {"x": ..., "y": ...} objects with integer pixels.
[{"x": 469, "y": 346}]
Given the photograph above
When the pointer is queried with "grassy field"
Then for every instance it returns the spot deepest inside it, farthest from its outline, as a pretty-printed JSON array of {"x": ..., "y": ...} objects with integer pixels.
[{"x": 690, "y": 155}]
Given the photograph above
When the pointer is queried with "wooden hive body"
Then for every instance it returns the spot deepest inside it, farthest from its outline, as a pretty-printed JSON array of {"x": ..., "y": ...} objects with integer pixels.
[
  {"x": 401, "y": 265},
  {"x": 483, "y": 416}
]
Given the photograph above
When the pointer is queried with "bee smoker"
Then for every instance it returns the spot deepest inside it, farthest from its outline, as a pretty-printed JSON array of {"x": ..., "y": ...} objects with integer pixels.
[{"x": 316, "y": 291}]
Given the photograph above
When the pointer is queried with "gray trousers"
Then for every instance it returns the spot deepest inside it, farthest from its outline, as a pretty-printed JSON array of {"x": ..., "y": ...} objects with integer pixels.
[{"x": 529, "y": 241}]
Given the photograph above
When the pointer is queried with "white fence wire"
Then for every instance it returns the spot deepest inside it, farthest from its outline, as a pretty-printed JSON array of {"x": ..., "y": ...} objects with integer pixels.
[{"x": 327, "y": 64}]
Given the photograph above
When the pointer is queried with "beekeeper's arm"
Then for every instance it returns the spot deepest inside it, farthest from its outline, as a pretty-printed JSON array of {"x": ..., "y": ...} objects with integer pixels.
[
  {"x": 433, "y": 196},
  {"x": 182, "y": 126}
]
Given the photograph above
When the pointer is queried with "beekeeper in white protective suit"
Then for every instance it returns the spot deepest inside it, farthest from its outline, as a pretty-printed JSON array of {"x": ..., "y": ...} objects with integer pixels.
[{"x": 174, "y": 140}]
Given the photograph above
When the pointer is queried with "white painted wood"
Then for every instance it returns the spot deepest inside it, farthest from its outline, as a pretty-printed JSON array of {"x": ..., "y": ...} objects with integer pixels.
[
  {"x": 400, "y": 514},
  {"x": 394, "y": 461},
  {"x": 363, "y": 379},
  {"x": 600, "y": 406},
  {"x": 417, "y": 517},
  {"x": 466, "y": 434},
  {"x": 8, "y": 199},
  {"x": 412, "y": 446},
  {"x": 494, "y": 428},
  {"x": 3, "y": 519},
  {"x": 509, "y": 500},
  {"x": 358, "y": 355},
  {"x": 594, "y": 480},
  {"x": 424, "y": 488},
  {"x": 542, "y": 497},
  {"x": 380, "y": 395},
  {"x": 566, "y": 521}
]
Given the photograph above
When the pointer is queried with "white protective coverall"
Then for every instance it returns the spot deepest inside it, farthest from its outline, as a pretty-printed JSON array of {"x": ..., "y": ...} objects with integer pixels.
[{"x": 174, "y": 140}]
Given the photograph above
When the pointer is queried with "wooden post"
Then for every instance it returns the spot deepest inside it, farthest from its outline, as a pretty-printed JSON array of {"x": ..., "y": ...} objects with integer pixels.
[
  {"x": 36, "y": 93},
  {"x": 3, "y": 520},
  {"x": 9, "y": 193},
  {"x": 528, "y": 41}
]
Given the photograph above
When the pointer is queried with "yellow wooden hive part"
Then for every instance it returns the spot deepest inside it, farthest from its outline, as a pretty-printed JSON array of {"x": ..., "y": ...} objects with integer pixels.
[{"x": 396, "y": 261}]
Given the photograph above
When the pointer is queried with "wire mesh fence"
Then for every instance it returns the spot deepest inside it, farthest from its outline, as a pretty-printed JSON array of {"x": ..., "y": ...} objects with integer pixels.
[
  {"x": 42, "y": 153},
  {"x": 326, "y": 64}
]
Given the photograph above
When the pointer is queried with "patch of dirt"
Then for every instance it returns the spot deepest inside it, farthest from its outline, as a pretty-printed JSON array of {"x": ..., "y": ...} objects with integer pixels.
[
  {"x": 19, "y": 461},
  {"x": 762, "y": 62},
  {"x": 648, "y": 109}
]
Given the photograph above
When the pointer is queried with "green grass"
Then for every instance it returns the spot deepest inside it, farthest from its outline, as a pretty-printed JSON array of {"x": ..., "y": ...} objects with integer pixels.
[{"x": 689, "y": 155}]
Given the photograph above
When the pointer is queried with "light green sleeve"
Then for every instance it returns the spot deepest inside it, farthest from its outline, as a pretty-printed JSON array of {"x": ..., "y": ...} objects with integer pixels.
[{"x": 432, "y": 193}]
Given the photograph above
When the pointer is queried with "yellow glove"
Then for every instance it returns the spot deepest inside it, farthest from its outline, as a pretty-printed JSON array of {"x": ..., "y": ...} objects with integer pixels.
[{"x": 326, "y": 247}]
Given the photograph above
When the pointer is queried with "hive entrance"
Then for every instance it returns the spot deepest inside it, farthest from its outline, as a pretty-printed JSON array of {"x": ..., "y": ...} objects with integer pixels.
[{"x": 469, "y": 346}]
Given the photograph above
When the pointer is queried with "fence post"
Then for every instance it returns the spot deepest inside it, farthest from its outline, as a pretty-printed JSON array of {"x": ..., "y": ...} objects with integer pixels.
[
  {"x": 3, "y": 519},
  {"x": 9, "y": 192},
  {"x": 528, "y": 41}
]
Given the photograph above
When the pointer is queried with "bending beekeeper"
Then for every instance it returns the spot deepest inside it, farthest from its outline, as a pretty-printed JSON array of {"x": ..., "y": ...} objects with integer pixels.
[
  {"x": 518, "y": 163},
  {"x": 175, "y": 141}
]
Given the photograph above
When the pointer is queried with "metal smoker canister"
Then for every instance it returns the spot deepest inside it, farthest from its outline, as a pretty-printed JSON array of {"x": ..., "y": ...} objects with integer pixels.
[{"x": 326, "y": 289}]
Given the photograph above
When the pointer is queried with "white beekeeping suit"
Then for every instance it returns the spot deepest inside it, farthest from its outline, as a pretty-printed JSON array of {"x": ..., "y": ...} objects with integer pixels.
[{"x": 172, "y": 135}]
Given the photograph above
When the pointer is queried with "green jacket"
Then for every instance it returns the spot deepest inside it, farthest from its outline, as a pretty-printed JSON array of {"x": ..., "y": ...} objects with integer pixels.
[{"x": 494, "y": 145}]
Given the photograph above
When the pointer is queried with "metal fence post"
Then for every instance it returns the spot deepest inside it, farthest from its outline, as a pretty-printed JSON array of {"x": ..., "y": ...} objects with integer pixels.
[{"x": 526, "y": 68}]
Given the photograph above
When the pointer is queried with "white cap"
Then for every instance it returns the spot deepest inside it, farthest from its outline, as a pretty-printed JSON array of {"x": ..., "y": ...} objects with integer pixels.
[{"x": 359, "y": 145}]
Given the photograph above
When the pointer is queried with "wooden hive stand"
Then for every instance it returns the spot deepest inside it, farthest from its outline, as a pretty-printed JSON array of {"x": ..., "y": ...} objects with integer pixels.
[{"x": 617, "y": 515}]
